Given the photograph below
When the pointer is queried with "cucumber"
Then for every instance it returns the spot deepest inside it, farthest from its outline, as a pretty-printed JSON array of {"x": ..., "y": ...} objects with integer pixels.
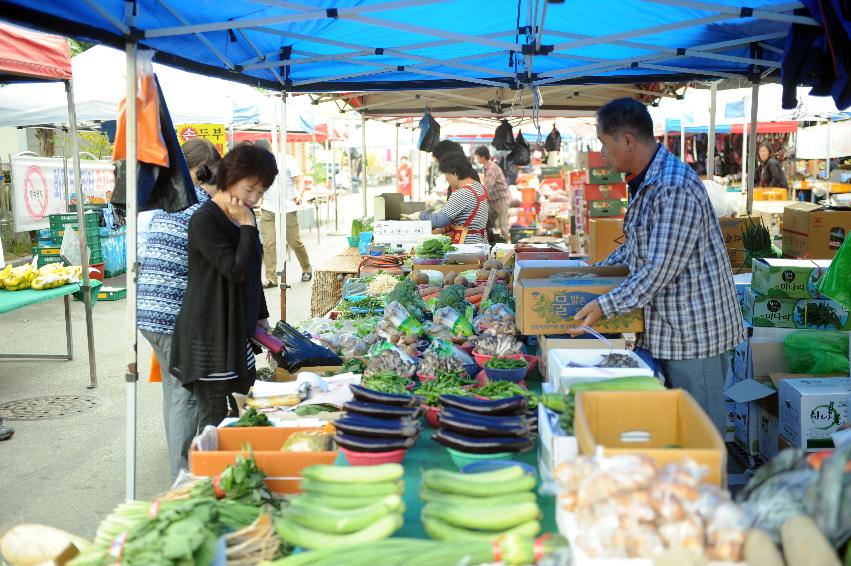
[
  {"x": 354, "y": 474},
  {"x": 477, "y": 489},
  {"x": 502, "y": 474},
  {"x": 492, "y": 518},
  {"x": 351, "y": 490},
  {"x": 430, "y": 495},
  {"x": 334, "y": 502},
  {"x": 441, "y": 530},
  {"x": 336, "y": 521},
  {"x": 296, "y": 535}
]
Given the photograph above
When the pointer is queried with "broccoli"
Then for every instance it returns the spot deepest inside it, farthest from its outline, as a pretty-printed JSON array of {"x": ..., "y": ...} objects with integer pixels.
[
  {"x": 452, "y": 296},
  {"x": 405, "y": 292}
]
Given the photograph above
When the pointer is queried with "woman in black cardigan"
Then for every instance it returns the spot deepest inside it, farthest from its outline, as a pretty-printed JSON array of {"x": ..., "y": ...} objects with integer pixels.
[{"x": 224, "y": 303}]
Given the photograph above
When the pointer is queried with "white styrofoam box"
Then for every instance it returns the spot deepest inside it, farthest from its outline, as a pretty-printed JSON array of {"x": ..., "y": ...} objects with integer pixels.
[
  {"x": 555, "y": 446},
  {"x": 561, "y": 373},
  {"x": 769, "y": 435},
  {"x": 811, "y": 409},
  {"x": 748, "y": 413}
]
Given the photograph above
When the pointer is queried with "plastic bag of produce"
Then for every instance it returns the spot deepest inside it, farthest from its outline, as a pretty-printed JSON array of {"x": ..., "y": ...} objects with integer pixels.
[
  {"x": 817, "y": 351},
  {"x": 354, "y": 287},
  {"x": 309, "y": 441},
  {"x": 836, "y": 283},
  {"x": 457, "y": 323},
  {"x": 446, "y": 348}
]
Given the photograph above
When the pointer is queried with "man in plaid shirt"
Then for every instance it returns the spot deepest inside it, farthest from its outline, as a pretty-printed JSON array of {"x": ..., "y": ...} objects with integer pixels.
[
  {"x": 680, "y": 273},
  {"x": 497, "y": 188}
]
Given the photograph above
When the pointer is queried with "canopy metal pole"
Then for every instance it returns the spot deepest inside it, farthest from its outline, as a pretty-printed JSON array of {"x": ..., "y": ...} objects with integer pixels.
[
  {"x": 683, "y": 140},
  {"x": 363, "y": 159},
  {"x": 752, "y": 145},
  {"x": 710, "y": 148},
  {"x": 132, "y": 375},
  {"x": 84, "y": 249},
  {"x": 65, "y": 167},
  {"x": 397, "y": 162},
  {"x": 334, "y": 178},
  {"x": 745, "y": 154},
  {"x": 281, "y": 218},
  {"x": 827, "y": 158}
]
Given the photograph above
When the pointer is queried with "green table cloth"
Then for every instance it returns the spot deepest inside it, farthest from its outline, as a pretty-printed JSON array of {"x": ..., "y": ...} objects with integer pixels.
[{"x": 13, "y": 300}]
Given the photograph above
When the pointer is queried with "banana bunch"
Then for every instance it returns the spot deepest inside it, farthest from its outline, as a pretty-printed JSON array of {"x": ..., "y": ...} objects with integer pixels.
[
  {"x": 4, "y": 274},
  {"x": 52, "y": 275},
  {"x": 18, "y": 278}
]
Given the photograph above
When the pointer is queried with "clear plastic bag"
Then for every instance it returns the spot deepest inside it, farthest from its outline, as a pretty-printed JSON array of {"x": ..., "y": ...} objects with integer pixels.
[
  {"x": 308, "y": 441},
  {"x": 459, "y": 325},
  {"x": 817, "y": 351},
  {"x": 354, "y": 287},
  {"x": 725, "y": 533}
]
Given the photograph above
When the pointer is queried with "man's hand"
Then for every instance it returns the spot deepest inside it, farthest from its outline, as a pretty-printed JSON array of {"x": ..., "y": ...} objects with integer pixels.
[{"x": 588, "y": 316}]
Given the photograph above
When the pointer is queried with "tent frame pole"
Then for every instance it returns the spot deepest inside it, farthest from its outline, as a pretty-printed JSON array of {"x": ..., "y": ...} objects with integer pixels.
[
  {"x": 86, "y": 286},
  {"x": 396, "y": 157},
  {"x": 132, "y": 375},
  {"x": 752, "y": 145},
  {"x": 363, "y": 160},
  {"x": 282, "y": 248},
  {"x": 710, "y": 147}
]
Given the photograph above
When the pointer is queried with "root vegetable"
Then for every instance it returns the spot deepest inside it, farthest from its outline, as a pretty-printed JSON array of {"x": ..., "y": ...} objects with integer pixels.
[
  {"x": 482, "y": 274},
  {"x": 492, "y": 264},
  {"x": 760, "y": 550},
  {"x": 449, "y": 279},
  {"x": 473, "y": 291},
  {"x": 804, "y": 543}
]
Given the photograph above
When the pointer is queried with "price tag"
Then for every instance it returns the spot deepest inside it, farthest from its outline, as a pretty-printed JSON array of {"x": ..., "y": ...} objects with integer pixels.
[{"x": 400, "y": 231}]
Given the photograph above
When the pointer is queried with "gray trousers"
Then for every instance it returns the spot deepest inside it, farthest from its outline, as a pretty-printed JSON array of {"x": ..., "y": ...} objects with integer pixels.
[
  {"x": 180, "y": 408},
  {"x": 703, "y": 378}
]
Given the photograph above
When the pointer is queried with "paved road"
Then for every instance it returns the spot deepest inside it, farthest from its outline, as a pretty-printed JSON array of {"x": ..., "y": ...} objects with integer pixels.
[{"x": 69, "y": 472}]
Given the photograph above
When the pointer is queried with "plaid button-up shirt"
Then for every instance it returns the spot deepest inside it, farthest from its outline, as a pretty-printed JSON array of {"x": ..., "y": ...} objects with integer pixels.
[
  {"x": 494, "y": 182},
  {"x": 680, "y": 273}
]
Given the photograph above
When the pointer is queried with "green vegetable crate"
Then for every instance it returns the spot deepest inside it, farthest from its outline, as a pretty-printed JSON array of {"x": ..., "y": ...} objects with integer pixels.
[
  {"x": 772, "y": 312},
  {"x": 91, "y": 218},
  {"x": 605, "y": 208},
  {"x": 112, "y": 293},
  {"x": 602, "y": 176},
  {"x": 58, "y": 232},
  {"x": 47, "y": 259}
]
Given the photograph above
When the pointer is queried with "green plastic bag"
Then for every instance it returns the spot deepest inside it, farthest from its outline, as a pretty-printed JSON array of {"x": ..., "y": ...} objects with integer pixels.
[
  {"x": 836, "y": 283},
  {"x": 817, "y": 351}
]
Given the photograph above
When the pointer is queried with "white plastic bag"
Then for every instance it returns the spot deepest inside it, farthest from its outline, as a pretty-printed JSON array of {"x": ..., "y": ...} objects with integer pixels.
[
  {"x": 724, "y": 204},
  {"x": 70, "y": 250}
]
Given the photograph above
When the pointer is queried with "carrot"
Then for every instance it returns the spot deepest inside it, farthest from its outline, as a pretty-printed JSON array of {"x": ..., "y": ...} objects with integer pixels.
[
  {"x": 432, "y": 296},
  {"x": 429, "y": 291},
  {"x": 474, "y": 291}
]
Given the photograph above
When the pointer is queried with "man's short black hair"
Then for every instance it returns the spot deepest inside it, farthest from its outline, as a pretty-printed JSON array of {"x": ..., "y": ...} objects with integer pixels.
[
  {"x": 445, "y": 147},
  {"x": 482, "y": 151},
  {"x": 625, "y": 115}
]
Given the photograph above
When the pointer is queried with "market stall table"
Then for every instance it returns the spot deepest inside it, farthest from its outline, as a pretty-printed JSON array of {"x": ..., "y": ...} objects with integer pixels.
[
  {"x": 13, "y": 300},
  {"x": 328, "y": 278}
]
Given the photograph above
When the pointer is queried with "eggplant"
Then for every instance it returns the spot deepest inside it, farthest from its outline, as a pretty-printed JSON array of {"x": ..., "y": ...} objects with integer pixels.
[
  {"x": 361, "y": 393},
  {"x": 381, "y": 410},
  {"x": 375, "y": 427},
  {"x": 508, "y": 406},
  {"x": 473, "y": 424},
  {"x": 360, "y": 443},
  {"x": 478, "y": 445}
]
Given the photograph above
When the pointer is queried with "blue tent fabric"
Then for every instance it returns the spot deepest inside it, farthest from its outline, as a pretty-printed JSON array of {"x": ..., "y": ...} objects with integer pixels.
[{"x": 370, "y": 45}]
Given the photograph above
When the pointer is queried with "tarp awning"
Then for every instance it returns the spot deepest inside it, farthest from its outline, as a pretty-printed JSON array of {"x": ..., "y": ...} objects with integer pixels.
[{"x": 27, "y": 55}]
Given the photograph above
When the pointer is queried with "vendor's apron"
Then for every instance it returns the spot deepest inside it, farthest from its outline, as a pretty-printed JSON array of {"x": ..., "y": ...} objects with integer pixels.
[{"x": 459, "y": 233}]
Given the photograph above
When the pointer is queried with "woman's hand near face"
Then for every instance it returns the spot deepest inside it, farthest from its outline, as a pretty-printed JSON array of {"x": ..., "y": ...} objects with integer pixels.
[{"x": 238, "y": 211}]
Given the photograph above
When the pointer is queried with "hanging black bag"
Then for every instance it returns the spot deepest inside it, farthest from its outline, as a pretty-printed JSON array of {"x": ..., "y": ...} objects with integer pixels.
[
  {"x": 503, "y": 137},
  {"x": 553, "y": 141},
  {"x": 429, "y": 133},
  {"x": 521, "y": 154}
]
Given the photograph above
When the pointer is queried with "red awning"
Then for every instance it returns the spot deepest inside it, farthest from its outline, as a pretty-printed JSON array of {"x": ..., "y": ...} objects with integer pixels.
[
  {"x": 292, "y": 137},
  {"x": 767, "y": 127},
  {"x": 33, "y": 55}
]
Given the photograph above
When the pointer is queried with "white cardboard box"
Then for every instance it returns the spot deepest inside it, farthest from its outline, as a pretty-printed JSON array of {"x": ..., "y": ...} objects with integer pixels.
[
  {"x": 562, "y": 373},
  {"x": 748, "y": 413},
  {"x": 769, "y": 435},
  {"x": 811, "y": 409},
  {"x": 547, "y": 343},
  {"x": 555, "y": 446}
]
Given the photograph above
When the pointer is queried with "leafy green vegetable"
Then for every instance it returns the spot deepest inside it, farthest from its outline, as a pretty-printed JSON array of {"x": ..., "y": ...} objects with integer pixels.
[
  {"x": 405, "y": 293},
  {"x": 452, "y": 296},
  {"x": 252, "y": 418},
  {"x": 354, "y": 365},
  {"x": 387, "y": 382},
  {"x": 241, "y": 481},
  {"x": 435, "y": 248},
  {"x": 432, "y": 389},
  {"x": 310, "y": 410},
  {"x": 503, "y": 389},
  {"x": 498, "y": 362}
]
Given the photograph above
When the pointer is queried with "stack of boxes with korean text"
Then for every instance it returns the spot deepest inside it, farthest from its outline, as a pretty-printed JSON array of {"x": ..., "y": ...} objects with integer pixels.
[
  {"x": 604, "y": 195},
  {"x": 769, "y": 406}
]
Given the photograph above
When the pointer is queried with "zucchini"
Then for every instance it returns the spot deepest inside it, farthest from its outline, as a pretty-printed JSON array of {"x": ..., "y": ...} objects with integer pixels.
[
  {"x": 338, "y": 502},
  {"x": 372, "y": 396},
  {"x": 482, "y": 445},
  {"x": 351, "y": 490},
  {"x": 336, "y": 521},
  {"x": 478, "y": 489},
  {"x": 431, "y": 495},
  {"x": 441, "y": 530},
  {"x": 296, "y": 535},
  {"x": 355, "y": 474},
  {"x": 491, "y": 518},
  {"x": 638, "y": 383},
  {"x": 508, "y": 406},
  {"x": 502, "y": 474}
]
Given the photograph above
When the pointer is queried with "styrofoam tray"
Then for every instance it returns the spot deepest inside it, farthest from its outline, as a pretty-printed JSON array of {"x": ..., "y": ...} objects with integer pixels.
[{"x": 560, "y": 371}]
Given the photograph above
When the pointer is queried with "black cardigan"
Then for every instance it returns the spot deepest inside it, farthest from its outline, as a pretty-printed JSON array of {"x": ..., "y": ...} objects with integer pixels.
[{"x": 224, "y": 299}]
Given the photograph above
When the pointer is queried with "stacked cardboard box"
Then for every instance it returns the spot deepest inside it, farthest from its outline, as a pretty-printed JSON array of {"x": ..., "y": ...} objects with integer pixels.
[{"x": 814, "y": 231}]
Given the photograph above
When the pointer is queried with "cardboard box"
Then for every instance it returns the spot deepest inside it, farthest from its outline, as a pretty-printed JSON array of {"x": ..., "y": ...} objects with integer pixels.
[
  {"x": 813, "y": 231},
  {"x": 567, "y": 367},
  {"x": 770, "y": 193},
  {"x": 604, "y": 237},
  {"x": 555, "y": 446},
  {"x": 813, "y": 408},
  {"x": 552, "y": 184},
  {"x": 742, "y": 281},
  {"x": 568, "y": 342},
  {"x": 543, "y": 255},
  {"x": 748, "y": 413},
  {"x": 731, "y": 230},
  {"x": 547, "y": 306},
  {"x": 650, "y": 423},
  {"x": 391, "y": 206},
  {"x": 447, "y": 267},
  {"x": 730, "y": 409},
  {"x": 602, "y": 176},
  {"x": 283, "y": 468},
  {"x": 816, "y": 314},
  {"x": 552, "y": 266},
  {"x": 612, "y": 191},
  {"x": 578, "y": 176},
  {"x": 787, "y": 278},
  {"x": 605, "y": 208},
  {"x": 769, "y": 435}
]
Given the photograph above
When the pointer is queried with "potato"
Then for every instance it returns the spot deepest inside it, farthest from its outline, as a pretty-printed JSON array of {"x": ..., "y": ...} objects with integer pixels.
[
  {"x": 449, "y": 279},
  {"x": 483, "y": 274},
  {"x": 419, "y": 277},
  {"x": 394, "y": 338},
  {"x": 410, "y": 339},
  {"x": 492, "y": 264},
  {"x": 503, "y": 274}
]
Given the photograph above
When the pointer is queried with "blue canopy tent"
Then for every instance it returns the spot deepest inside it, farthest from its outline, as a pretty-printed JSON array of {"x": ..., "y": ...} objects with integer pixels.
[{"x": 377, "y": 45}]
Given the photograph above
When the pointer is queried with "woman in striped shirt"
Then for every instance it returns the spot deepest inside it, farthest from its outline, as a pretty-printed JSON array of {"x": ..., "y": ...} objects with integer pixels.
[{"x": 465, "y": 215}]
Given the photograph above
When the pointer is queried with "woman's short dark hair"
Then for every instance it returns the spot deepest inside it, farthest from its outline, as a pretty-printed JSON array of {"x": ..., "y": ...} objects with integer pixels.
[
  {"x": 202, "y": 156},
  {"x": 445, "y": 147},
  {"x": 457, "y": 164},
  {"x": 625, "y": 115},
  {"x": 246, "y": 161},
  {"x": 483, "y": 152}
]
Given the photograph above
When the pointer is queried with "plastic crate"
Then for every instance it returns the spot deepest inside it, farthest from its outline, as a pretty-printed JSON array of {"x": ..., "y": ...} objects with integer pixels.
[
  {"x": 47, "y": 251},
  {"x": 57, "y": 233},
  {"x": 112, "y": 293},
  {"x": 91, "y": 218},
  {"x": 43, "y": 260}
]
